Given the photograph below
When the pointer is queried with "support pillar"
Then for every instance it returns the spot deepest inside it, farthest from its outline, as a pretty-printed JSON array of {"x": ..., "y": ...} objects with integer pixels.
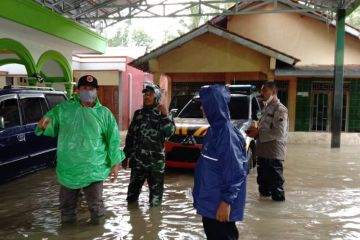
[
  {"x": 339, "y": 79},
  {"x": 69, "y": 87}
]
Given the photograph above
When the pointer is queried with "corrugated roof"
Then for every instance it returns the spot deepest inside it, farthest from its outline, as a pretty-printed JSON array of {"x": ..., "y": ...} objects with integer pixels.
[{"x": 104, "y": 13}]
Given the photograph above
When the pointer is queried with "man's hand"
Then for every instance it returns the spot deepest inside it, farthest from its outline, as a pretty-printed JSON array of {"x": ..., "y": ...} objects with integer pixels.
[
  {"x": 125, "y": 163},
  {"x": 44, "y": 122},
  {"x": 163, "y": 109},
  {"x": 114, "y": 173},
  {"x": 252, "y": 132},
  {"x": 223, "y": 212}
]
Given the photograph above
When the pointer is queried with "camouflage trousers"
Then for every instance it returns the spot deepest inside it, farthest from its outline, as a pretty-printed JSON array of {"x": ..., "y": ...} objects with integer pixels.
[{"x": 155, "y": 180}]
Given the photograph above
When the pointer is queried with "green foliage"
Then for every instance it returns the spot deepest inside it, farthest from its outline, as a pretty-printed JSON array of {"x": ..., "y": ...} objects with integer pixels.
[
  {"x": 140, "y": 38},
  {"x": 191, "y": 23},
  {"x": 354, "y": 18},
  {"x": 122, "y": 37}
]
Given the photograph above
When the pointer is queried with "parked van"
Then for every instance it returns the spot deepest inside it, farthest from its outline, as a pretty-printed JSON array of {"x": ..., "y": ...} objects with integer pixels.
[{"x": 21, "y": 152}]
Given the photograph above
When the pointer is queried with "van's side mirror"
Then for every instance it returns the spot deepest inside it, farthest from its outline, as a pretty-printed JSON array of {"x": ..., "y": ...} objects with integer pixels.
[
  {"x": 174, "y": 112},
  {"x": 2, "y": 122}
]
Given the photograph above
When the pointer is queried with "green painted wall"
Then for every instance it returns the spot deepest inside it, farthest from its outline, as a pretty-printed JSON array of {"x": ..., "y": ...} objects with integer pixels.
[
  {"x": 26, "y": 59},
  {"x": 303, "y": 104},
  {"x": 354, "y": 111},
  {"x": 303, "y": 95},
  {"x": 31, "y": 14}
]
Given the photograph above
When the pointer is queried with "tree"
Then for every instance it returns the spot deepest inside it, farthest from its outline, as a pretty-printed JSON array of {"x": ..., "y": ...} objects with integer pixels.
[
  {"x": 140, "y": 38},
  {"x": 191, "y": 23},
  {"x": 354, "y": 18},
  {"x": 121, "y": 37},
  {"x": 169, "y": 36}
]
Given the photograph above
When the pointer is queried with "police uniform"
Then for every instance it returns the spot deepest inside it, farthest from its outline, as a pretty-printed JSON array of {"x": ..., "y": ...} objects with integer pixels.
[
  {"x": 271, "y": 150},
  {"x": 144, "y": 149}
]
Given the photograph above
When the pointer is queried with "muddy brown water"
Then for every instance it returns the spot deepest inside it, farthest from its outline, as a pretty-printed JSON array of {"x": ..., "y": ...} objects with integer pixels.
[{"x": 322, "y": 190}]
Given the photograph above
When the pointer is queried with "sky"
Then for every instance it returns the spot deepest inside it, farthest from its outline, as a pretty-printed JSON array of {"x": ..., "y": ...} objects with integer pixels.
[{"x": 154, "y": 27}]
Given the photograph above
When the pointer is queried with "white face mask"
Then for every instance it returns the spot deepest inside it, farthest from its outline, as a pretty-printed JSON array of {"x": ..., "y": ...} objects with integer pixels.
[
  {"x": 88, "y": 96},
  {"x": 268, "y": 100}
]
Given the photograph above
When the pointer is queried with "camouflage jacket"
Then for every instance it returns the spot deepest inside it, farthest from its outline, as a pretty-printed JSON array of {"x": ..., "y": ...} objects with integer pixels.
[{"x": 144, "y": 146}]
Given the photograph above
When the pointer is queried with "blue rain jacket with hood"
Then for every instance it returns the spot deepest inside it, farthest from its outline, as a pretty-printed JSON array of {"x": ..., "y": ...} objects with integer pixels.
[{"x": 220, "y": 174}]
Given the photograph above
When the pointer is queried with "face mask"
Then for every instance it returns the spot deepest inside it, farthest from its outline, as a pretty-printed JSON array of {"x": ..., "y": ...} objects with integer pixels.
[
  {"x": 268, "y": 100},
  {"x": 88, "y": 96}
]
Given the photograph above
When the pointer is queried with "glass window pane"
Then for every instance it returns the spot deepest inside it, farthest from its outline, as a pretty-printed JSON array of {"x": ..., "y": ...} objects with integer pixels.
[
  {"x": 54, "y": 99},
  {"x": 10, "y": 112},
  {"x": 34, "y": 109}
]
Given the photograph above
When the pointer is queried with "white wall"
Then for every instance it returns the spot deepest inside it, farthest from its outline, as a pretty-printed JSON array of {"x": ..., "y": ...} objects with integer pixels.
[
  {"x": 14, "y": 69},
  {"x": 2, "y": 81},
  {"x": 52, "y": 69}
]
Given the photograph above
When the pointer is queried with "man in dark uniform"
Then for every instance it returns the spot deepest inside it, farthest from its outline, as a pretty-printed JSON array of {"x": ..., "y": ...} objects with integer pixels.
[
  {"x": 144, "y": 146},
  {"x": 271, "y": 138}
]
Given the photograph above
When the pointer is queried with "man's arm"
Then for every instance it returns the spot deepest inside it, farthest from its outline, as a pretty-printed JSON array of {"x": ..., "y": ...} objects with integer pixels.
[
  {"x": 112, "y": 136},
  {"x": 116, "y": 155},
  {"x": 167, "y": 123},
  {"x": 232, "y": 156},
  {"x": 49, "y": 124},
  {"x": 129, "y": 140}
]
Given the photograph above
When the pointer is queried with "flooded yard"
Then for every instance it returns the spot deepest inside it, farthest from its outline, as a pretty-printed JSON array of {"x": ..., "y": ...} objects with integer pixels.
[{"x": 322, "y": 202}]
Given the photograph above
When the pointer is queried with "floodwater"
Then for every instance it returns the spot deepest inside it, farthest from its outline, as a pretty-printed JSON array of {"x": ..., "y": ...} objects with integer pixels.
[{"x": 322, "y": 191}]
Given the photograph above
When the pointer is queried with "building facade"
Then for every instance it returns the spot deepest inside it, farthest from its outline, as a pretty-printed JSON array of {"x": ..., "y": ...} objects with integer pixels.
[{"x": 293, "y": 49}]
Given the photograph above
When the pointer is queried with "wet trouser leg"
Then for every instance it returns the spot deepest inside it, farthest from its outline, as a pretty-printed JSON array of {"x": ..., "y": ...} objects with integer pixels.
[
  {"x": 216, "y": 230},
  {"x": 278, "y": 193},
  {"x": 137, "y": 179},
  {"x": 270, "y": 178},
  {"x": 156, "y": 187},
  {"x": 263, "y": 177},
  {"x": 68, "y": 202},
  {"x": 94, "y": 199}
]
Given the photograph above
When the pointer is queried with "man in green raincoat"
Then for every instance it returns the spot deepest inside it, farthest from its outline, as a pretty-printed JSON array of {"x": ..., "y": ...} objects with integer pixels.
[{"x": 87, "y": 150}]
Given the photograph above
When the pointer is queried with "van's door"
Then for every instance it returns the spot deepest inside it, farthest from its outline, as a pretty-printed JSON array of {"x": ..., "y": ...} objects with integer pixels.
[
  {"x": 12, "y": 139},
  {"x": 41, "y": 149}
]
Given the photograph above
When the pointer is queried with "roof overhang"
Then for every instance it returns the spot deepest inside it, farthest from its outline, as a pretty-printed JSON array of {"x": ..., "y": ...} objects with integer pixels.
[
  {"x": 143, "y": 62},
  {"x": 30, "y": 14},
  {"x": 317, "y": 71}
]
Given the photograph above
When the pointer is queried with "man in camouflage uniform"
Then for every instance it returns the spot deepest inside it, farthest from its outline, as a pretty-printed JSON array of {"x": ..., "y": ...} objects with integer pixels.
[{"x": 144, "y": 146}]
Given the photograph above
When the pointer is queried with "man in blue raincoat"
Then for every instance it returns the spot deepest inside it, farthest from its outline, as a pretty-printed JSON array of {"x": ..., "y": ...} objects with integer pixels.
[{"x": 220, "y": 176}]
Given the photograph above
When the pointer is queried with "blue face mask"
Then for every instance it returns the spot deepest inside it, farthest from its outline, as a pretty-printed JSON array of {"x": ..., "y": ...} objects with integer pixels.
[{"x": 88, "y": 96}]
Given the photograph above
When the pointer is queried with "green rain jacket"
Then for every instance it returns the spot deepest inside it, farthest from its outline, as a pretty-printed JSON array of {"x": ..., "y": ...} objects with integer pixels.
[{"x": 88, "y": 142}]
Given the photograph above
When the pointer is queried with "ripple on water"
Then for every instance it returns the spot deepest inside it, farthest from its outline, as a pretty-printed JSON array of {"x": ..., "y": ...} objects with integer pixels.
[{"x": 322, "y": 203}]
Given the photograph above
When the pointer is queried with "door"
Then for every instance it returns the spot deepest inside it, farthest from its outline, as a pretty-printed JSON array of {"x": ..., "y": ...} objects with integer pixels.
[
  {"x": 41, "y": 149},
  {"x": 12, "y": 139},
  {"x": 320, "y": 111},
  {"x": 109, "y": 97}
]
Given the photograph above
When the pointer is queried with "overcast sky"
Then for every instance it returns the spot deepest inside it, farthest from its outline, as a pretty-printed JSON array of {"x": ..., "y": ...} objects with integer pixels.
[{"x": 155, "y": 27}]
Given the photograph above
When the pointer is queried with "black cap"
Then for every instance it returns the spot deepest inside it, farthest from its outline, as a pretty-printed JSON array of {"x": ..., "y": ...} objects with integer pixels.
[{"x": 88, "y": 80}]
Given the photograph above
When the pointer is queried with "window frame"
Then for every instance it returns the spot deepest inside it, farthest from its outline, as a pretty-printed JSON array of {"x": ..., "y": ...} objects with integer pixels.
[
  {"x": 53, "y": 94},
  {"x": 31, "y": 95},
  {"x": 10, "y": 97}
]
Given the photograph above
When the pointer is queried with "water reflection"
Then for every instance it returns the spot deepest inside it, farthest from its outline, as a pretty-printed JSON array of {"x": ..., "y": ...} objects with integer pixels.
[{"x": 323, "y": 202}]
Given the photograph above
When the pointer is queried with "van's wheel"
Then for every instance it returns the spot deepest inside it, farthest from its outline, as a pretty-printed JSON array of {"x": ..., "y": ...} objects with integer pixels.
[{"x": 250, "y": 160}]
